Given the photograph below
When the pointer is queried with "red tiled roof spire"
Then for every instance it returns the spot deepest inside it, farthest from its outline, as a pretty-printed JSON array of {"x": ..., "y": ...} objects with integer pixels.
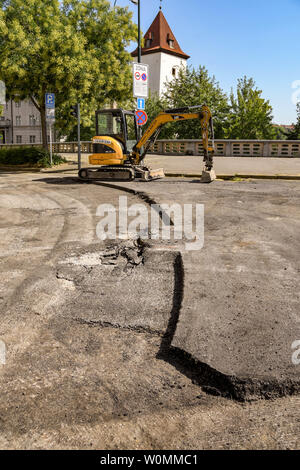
[{"x": 160, "y": 38}]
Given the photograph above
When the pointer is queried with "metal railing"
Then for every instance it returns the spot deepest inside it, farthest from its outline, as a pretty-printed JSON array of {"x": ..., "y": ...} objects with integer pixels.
[{"x": 224, "y": 148}]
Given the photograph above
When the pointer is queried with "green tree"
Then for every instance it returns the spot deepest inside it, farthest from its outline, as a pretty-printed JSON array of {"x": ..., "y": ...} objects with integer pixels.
[
  {"x": 193, "y": 87},
  {"x": 280, "y": 133},
  {"x": 250, "y": 115},
  {"x": 295, "y": 134},
  {"x": 154, "y": 105},
  {"x": 86, "y": 133},
  {"x": 73, "y": 48}
]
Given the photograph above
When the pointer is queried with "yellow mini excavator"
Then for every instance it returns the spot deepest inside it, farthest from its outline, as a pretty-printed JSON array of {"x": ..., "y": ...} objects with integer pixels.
[{"x": 118, "y": 154}]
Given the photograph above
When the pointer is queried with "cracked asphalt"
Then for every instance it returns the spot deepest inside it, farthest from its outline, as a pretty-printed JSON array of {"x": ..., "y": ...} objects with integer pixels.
[{"x": 126, "y": 345}]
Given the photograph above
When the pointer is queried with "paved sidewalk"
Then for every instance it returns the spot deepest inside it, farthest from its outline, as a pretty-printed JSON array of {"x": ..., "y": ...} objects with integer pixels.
[{"x": 228, "y": 165}]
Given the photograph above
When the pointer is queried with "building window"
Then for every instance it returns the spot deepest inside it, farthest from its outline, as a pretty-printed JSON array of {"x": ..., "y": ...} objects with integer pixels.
[
  {"x": 175, "y": 72},
  {"x": 32, "y": 120},
  {"x": 149, "y": 39},
  {"x": 19, "y": 139},
  {"x": 18, "y": 104},
  {"x": 32, "y": 139},
  {"x": 18, "y": 120},
  {"x": 170, "y": 41}
]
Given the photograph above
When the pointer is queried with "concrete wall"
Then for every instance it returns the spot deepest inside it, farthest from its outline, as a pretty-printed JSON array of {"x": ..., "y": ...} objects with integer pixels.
[
  {"x": 160, "y": 69},
  {"x": 168, "y": 62},
  {"x": 154, "y": 62}
]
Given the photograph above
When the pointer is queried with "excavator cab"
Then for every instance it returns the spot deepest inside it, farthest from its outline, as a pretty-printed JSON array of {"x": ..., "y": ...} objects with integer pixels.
[{"x": 118, "y": 124}]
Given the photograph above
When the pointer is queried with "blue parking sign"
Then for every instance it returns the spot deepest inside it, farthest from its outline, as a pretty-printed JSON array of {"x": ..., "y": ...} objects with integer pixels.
[
  {"x": 50, "y": 100},
  {"x": 141, "y": 103}
]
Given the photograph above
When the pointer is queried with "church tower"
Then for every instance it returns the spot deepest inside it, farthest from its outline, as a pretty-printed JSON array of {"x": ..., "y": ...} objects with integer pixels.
[{"x": 162, "y": 53}]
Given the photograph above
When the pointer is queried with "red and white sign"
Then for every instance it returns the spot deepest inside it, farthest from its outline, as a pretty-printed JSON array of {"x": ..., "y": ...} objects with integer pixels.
[
  {"x": 141, "y": 117},
  {"x": 140, "y": 80}
]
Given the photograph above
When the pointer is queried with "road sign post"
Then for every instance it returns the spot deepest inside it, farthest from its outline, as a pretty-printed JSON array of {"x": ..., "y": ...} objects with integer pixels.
[
  {"x": 140, "y": 86},
  {"x": 50, "y": 133},
  {"x": 50, "y": 117},
  {"x": 75, "y": 112},
  {"x": 78, "y": 136}
]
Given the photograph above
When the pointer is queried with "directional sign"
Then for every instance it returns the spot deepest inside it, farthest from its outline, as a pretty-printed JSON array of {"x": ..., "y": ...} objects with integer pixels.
[
  {"x": 141, "y": 103},
  {"x": 50, "y": 100},
  {"x": 141, "y": 117},
  {"x": 140, "y": 80}
]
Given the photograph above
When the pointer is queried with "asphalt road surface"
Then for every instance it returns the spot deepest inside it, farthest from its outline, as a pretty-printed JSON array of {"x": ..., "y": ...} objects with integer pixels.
[
  {"x": 227, "y": 166},
  {"x": 119, "y": 344}
]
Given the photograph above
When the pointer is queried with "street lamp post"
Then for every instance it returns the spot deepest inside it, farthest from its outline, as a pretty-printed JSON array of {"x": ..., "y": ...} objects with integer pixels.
[{"x": 138, "y": 3}]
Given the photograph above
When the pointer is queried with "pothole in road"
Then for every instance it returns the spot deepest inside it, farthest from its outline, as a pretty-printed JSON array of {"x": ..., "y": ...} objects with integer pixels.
[
  {"x": 125, "y": 284},
  {"x": 131, "y": 286},
  {"x": 130, "y": 252}
]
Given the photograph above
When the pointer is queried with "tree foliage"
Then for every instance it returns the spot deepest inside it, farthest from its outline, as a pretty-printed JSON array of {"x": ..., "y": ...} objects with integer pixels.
[
  {"x": 154, "y": 105},
  {"x": 73, "y": 48},
  {"x": 250, "y": 115},
  {"x": 295, "y": 134},
  {"x": 244, "y": 115},
  {"x": 194, "y": 87}
]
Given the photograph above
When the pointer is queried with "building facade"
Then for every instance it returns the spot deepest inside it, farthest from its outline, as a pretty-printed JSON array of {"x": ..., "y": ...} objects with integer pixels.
[
  {"x": 20, "y": 123},
  {"x": 162, "y": 53}
]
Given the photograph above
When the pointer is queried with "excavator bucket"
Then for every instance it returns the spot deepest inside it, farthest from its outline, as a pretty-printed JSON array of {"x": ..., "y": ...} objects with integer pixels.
[
  {"x": 156, "y": 174},
  {"x": 208, "y": 176},
  {"x": 147, "y": 174}
]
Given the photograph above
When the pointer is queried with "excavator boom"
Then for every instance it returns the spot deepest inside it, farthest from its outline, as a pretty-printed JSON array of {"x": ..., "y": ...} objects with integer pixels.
[
  {"x": 120, "y": 158},
  {"x": 178, "y": 115}
]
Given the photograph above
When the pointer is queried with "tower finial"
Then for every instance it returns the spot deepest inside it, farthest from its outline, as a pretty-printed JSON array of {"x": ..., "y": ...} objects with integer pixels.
[{"x": 160, "y": 5}]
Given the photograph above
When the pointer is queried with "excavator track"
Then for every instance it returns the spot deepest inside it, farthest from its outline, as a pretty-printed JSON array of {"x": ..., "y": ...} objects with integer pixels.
[
  {"x": 107, "y": 174},
  {"x": 122, "y": 173}
]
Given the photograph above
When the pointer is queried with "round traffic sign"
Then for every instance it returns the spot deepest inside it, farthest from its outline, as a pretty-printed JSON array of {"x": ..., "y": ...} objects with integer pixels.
[
  {"x": 144, "y": 77},
  {"x": 141, "y": 117},
  {"x": 137, "y": 75}
]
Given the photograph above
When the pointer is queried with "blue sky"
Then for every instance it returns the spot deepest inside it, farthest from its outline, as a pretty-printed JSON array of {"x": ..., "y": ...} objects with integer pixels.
[{"x": 232, "y": 38}]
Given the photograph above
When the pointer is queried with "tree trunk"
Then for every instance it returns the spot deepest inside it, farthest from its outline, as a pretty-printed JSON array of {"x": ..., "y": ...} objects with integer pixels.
[
  {"x": 41, "y": 109},
  {"x": 44, "y": 128}
]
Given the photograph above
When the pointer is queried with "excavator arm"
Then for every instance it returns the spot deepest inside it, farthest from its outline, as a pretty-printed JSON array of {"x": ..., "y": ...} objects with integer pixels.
[{"x": 202, "y": 113}]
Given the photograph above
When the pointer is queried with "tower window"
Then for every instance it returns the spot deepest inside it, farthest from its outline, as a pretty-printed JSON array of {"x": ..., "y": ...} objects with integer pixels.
[
  {"x": 174, "y": 72},
  {"x": 170, "y": 41},
  {"x": 149, "y": 39}
]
